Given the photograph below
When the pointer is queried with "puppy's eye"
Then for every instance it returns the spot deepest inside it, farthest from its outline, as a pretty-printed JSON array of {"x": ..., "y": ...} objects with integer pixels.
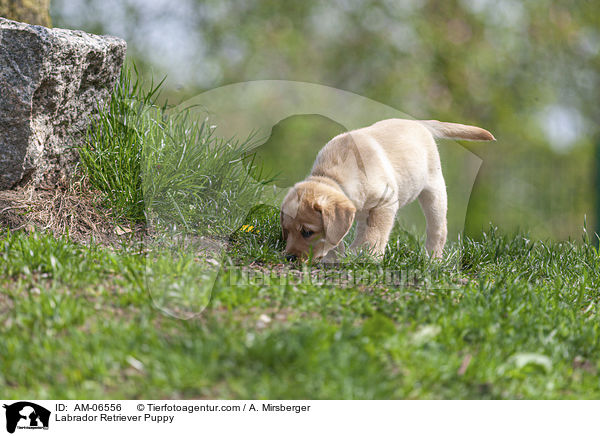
[{"x": 306, "y": 233}]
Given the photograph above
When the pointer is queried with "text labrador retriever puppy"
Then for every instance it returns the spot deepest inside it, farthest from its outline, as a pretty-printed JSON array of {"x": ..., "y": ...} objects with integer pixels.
[{"x": 367, "y": 175}]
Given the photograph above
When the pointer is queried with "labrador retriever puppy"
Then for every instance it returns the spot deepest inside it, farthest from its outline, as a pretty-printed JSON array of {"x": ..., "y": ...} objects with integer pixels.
[{"x": 367, "y": 175}]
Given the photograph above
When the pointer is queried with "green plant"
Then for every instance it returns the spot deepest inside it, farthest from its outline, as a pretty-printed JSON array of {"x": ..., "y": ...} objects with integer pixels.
[
  {"x": 111, "y": 155},
  {"x": 159, "y": 163}
]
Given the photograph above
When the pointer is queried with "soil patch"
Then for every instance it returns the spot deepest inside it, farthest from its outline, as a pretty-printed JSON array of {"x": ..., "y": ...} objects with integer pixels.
[{"x": 74, "y": 209}]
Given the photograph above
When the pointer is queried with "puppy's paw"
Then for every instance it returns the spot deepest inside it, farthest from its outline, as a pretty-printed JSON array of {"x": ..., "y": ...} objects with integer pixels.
[
  {"x": 331, "y": 257},
  {"x": 335, "y": 254}
]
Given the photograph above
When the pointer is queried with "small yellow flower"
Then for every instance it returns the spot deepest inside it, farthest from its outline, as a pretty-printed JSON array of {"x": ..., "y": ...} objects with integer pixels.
[{"x": 249, "y": 229}]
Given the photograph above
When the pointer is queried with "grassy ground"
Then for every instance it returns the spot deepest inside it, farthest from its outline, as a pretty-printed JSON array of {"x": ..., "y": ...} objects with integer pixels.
[
  {"x": 512, "y": 319},
  {"x": 501, "y": 317}
]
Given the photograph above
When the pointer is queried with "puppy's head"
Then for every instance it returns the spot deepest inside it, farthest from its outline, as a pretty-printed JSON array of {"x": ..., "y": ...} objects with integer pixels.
[{"x": 315, "y": 217}]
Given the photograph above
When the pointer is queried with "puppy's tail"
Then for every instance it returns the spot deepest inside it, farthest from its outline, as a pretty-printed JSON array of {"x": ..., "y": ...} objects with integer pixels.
[{"x": 440, "y": 129}]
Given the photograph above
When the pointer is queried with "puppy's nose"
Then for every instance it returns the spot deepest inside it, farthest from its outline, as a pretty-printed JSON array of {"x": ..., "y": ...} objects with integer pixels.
[{"x": 290, "y": 257}]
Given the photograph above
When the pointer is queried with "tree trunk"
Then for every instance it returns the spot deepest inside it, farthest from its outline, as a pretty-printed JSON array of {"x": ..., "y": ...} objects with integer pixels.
[
  {"x": 27, "y": 11},
  {"x": 597, "y": 183}
]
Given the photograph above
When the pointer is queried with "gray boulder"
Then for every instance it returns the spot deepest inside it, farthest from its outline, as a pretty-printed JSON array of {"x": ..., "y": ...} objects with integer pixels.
[{"x": 51, "y": 83}]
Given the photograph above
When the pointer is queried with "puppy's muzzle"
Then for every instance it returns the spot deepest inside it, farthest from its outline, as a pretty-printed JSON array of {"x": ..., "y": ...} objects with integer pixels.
[{"x": 291, "y": 257}]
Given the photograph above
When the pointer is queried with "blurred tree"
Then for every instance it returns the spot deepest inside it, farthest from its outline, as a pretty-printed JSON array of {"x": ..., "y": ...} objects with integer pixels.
[
  {"x": 529, "y": 71},
  {"x": 27, "y": 11},
  {"x": 289, "y": 153},
  {"x": 597, "y": 187}
]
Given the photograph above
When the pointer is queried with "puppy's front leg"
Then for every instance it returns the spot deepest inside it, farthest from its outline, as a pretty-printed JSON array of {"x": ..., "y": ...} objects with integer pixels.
[
  {"x": 373, "y": 232},
  {"x": 361, "y": 231}
]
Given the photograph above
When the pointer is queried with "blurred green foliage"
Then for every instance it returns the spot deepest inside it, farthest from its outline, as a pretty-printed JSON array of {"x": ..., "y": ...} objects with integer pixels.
[
  {"x": 301, "y": 137},
  {"x": 528, "y": 71}
]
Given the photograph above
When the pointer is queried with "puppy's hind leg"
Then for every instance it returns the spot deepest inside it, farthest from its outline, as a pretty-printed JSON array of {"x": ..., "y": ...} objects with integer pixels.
[{"x": 434, "y": 203}]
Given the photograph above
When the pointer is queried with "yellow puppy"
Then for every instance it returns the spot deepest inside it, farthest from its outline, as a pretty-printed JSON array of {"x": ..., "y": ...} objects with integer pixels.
[{"x": 367, "y": 175}]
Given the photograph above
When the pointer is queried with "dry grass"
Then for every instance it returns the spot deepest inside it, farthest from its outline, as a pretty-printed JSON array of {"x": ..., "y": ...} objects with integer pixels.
[{"x": 70, "y": 208}]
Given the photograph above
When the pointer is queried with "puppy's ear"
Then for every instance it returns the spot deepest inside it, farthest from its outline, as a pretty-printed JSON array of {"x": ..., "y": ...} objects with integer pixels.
[{"x": 338, "y": 215}]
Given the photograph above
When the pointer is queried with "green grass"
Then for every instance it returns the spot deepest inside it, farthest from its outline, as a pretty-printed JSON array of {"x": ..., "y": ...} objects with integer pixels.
[
  {"x": 163, "y": 167},
  {"x": 523, "y": 313},
  {"x": 500, "y": 317}
]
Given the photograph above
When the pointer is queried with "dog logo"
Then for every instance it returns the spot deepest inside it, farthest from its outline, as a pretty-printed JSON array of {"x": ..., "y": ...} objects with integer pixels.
[
  {"x": 253, "y": 110},
  {"x": 26, "y": 415}
]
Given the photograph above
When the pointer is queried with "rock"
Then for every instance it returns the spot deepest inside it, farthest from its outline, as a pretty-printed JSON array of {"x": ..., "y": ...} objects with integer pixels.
[{"x": 51, "y": 84}]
